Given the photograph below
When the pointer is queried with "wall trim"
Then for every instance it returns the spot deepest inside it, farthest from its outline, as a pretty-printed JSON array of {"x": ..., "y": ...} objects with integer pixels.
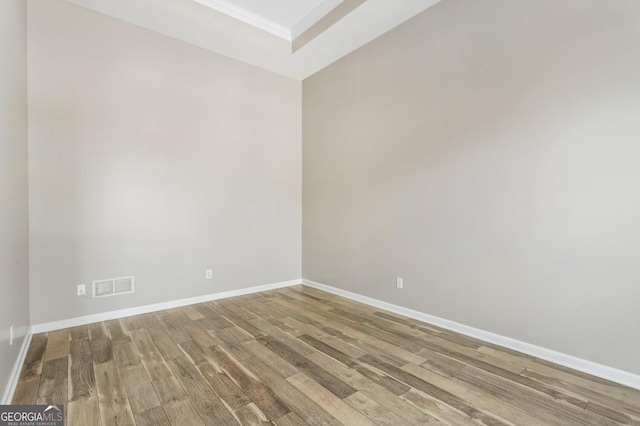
[
  {"x": 17, "y": 368},
  {"x": 313, "y": 18},
  {"x": 248, "y": 17},
  {"x": 138, "y": 310},
  {"x": 589, "y": 367}
]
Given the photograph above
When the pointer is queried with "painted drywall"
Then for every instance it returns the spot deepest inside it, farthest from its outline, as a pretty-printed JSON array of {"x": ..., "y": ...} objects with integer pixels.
[
  {"x": 153, "y": 158},
  {"x": 488, "y": 153},
  {"x": 14, "y": 240}
]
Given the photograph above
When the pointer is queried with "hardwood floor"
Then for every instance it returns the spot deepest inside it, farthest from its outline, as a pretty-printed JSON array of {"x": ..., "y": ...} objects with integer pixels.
[{"x": 301, "y": 356}]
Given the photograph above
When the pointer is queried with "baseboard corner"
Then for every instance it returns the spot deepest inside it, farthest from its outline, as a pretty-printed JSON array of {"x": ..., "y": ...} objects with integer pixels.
[
  {"x": 7, "y": 396},
  {"x": 145, "y": 309}
]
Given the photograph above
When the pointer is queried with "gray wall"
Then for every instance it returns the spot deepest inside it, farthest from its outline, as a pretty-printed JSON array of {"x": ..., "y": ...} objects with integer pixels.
[
  {"x": 153, "y": 158},
  {"x": 489, "y": 153},
  {"x": 14, "y": 256}
]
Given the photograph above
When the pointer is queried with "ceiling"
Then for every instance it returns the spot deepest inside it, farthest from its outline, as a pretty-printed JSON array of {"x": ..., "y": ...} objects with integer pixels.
[{"x": 295, "y": 38}]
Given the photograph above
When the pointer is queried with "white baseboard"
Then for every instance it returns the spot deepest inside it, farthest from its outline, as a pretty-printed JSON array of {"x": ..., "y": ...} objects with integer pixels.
[
  {"x": 138, "y": 310},
  {"x": 7, "y": 397},
  {"x": 589, "y": 367}
]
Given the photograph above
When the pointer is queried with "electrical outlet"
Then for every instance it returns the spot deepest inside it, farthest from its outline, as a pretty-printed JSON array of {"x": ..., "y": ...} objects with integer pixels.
[
  {"x": 209, "y": 274},
  {"x": 399, "y": 283},
  {"x": 11, "y": 335},
  {"x": 81, "y": 290}
]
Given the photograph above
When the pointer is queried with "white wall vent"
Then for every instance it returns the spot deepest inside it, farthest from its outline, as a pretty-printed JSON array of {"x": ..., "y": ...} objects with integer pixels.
[{"x": 111, "y": 287}]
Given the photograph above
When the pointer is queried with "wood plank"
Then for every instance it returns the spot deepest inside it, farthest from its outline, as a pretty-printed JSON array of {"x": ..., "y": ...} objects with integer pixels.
[
  {"x": 26, "y": 392},
  {"x": 221, "y": 384},
  {"x": 281, "y": 325},
  {"x": 149, "y": 354},
  {"x": 282, "y": 367},
  {"x": 264, "y": 300},
  {"x": 306, "y": 329},
  {"x": 35, "y": 357},
  {"x": 57, "y": 344},
  {"x": 226, "y": 389},
  {"x": 275, "y": 333},
  {"x": 291, "y": 419},
  {"x": 516, "y": 378},
  {"x": 301, "y": 301},
  {"x": 207, "y": 403},
  {"x": 78, "y": 333},
  {"x": 146, "y": 322},
  {"x": 443, "y": 412},
  {"x": 484, "y": 401},
  {"x": 192, "y": 313},
  {"x": 232, "y": 339},
  {"x": 194, "y": 351},
  {"x": 537, "y": 405},
  {"x": 306, "y": 409},
  {"x": 429, "y": 389},
  {"x": 424, "y": 331},
  {"x": 440, "y": 343},
  {"x": 323, "y": 377},
  {"x": 82, "y": 383},
  {"x": 126, "y": 356},
  {"x": 611, "y": 390},
  {"x": 112, "y": 397},
  {"x": 192, "y": 329},
  {"x": 300, "y": 295},
  {"x": 285, "y": 326},
  {"x": 233, "y": 334},
  {"x": 372, "y": 345},
  {"x": 101, "y": 349},
  {"x": 332, "y": 404},
  {"x": 238, "y": 320},
  {"x": 622, "y": 390},
  {"x": 618, "y": 411},
  {"x": 383, "y": 380},
  {"x": 164, "y": 343},
  {"x": 258, "y": 305},
  {"x": 408, "y": 412},
  {"x": 140, "y": 392},
  {"x": 152, "y": 417},
  {"x": 250, "y": 414},
  {"x": 172, "y": 327},
  {"x": 379, "y": 414},
  {"x": 209, "y": 325},
  {"x": 383, "y": 332},
  {"x": 116, "y": 332},
  {"x": 298, "y": 313},
  {"x": 53, "y": 382},
  {"x": 210, "y": 312},
  {"x": 448, "y": 361},
  {"x": 204, "y": 310},
  {"x": 83, "y": 412},
  {"x": 255, "y": 389},
  {"x": 177, "y": 406},
  {"x": 131, "y": 323}
]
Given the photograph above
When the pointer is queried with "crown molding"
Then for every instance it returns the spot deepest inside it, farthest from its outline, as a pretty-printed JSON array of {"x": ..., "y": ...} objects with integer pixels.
[
  {"x": 181, "y": 20},
  {"x": 313, "y": 17},
  {"x": 248, "y": 17}
]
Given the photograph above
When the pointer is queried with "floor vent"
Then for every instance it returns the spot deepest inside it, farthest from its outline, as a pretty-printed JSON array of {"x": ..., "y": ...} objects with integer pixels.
[{"x": 112, "y": 287}]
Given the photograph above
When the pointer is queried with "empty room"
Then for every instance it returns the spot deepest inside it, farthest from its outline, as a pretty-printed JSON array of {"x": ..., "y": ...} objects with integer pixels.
[{"x": 319, "y": 212}]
